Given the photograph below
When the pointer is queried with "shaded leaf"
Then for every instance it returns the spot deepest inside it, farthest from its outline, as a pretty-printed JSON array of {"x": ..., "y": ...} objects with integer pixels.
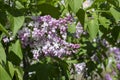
[
  {"x": 114, "y": 2},
  {"x": 23, "y": 0},
  {"x": 48, "y": 9},
  {"x": 3, "y": 17},
  {"x": 81, "y": 16},
  {"x": 116, "y": 33}
]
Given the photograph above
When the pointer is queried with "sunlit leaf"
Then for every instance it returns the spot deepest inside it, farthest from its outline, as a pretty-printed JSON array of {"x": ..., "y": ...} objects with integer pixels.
[
  {"x": 19, "y": 73},
  {"x": 16, "y": 48},
  {"x": 2, "y": 53},
  {"x": 115, "y": 13},
  {"x": 72, "y": 28},
  {"x": 75, "y": 5},
  {"x": 105, "y": 22},
  {"x": 19, "y": 5},
  {"x": 11, "y": 69},
  {"x": 3, "y": 29},
  {"x": 3, "y": 74},
  {"x": 93, "y": 28},
  {"x": 16, "y": 23}
]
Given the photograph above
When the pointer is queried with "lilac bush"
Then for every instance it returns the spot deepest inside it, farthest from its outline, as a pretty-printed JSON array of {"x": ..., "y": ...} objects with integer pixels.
[
  {"x": 47, "y": 36},
  {"x": 55, "y": 47}
]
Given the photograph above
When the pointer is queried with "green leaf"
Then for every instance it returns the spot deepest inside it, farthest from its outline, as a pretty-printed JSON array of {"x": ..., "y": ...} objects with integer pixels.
[
  {"x": 16, "y": 23},
  {"x": 3, "y": 30},
  {"x": 119, "y": 2},
  {"x": 116, "y": 33},
  {"x": 75, "y": 5},
  {"x": 23, "y": 0},
  {"x": 3, "y": 74},
  {"x": 114, "y": 2},
  {"x": 3, "y": 16},
  {"x": 93, "y": 28},
  {"x": 19, "y": 73},
  {"x": 48, "y": 9},
  {"x": 19, "y": 5},
  {"x": 81, "y": 16},
  {"x": 16, "y": 48},
  {"x": 2, "y": 54},
  {"x": 72, "y": 28},
  {"x": 72, "y": 61},
  {"x": 115, "y": 13},
  {"x": 11, "y": 69},
  {"x": 105, "y": 22},
  {"x": 41, "y": 1},
  {"x": 118, "y": 36}
]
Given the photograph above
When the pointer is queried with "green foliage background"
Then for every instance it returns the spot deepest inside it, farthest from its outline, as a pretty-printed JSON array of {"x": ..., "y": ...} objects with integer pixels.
[{"x": 99, "y": 19}]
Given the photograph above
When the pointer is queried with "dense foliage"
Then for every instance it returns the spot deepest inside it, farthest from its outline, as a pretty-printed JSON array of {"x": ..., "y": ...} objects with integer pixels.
[{"x": 59, "y": 39}]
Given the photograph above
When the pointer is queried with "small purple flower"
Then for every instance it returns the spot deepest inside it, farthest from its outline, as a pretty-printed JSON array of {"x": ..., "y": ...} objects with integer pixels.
[
  {"x": 76, "y": 46},
  {"x": 6, "y": 40},
  {"x": 108, "y": 77},
  {"x": 114, "y": 73},
  {"x": 79, "y": 67},
  {"x": 79, "y": 30},
  {"x": 105, "y": 43},
  {"x": 118, "y": 66},
  {"x": 35, "y": 54},
  {"x": 115, "y": 50}
]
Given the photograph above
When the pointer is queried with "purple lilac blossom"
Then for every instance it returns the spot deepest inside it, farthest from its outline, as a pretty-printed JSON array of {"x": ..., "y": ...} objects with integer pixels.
[
  {"x": 118, "y": 66},
  {"x": 79, "y": 30},
  {"x": 115, "y": 50},
  {"x": 116, "y": 53},
  {"x": 6, "y": 40},
  {"x": 105, "y": 43},
  {"x": 47, "y": 36},
  {"x": 79, "y": 67},
  {"x": 107, "y": 77}
]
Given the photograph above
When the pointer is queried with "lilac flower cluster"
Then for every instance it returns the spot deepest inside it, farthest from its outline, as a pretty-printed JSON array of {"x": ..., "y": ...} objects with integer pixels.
[
  {"x": 80, "y": 67},
  {"x": 47, "y": 36},
  {"x": 79, "y": 30},
  {"x": 116, "y": 52}
]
